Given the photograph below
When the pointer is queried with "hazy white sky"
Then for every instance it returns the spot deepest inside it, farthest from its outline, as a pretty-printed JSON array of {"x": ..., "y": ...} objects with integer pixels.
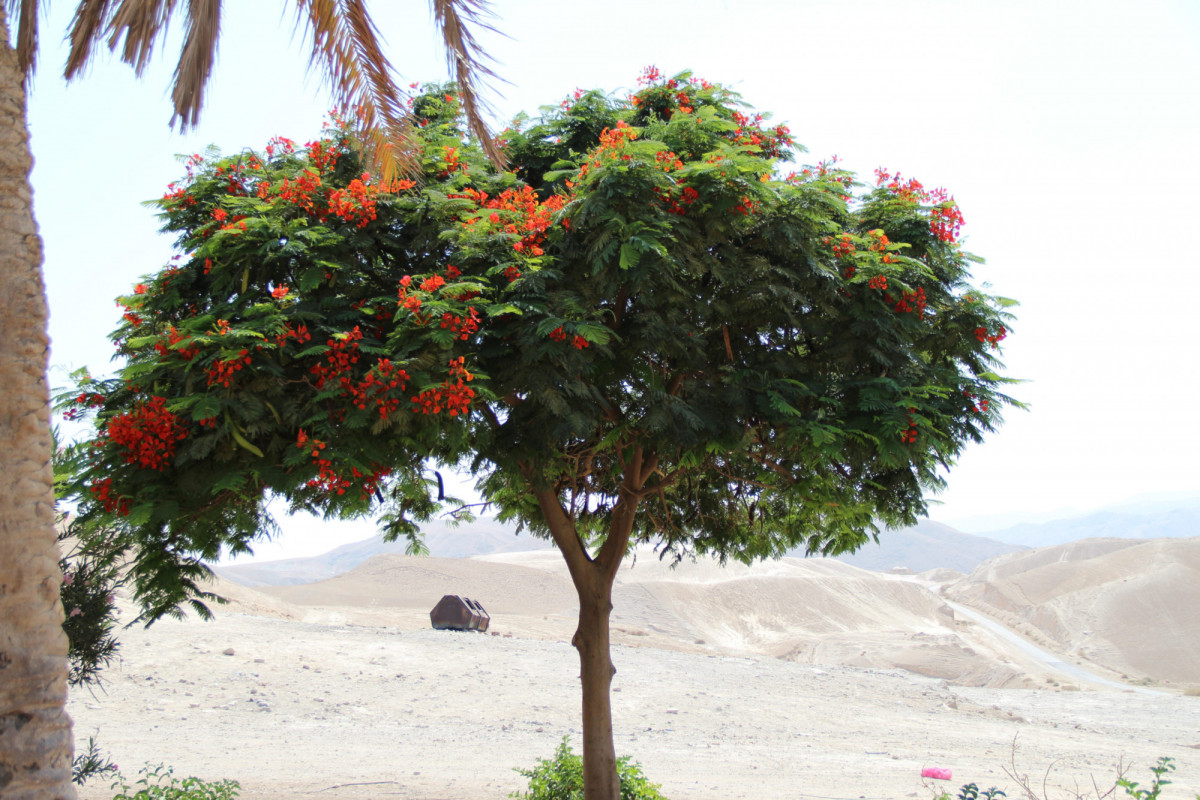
[{"x": 1067, "y": 130}]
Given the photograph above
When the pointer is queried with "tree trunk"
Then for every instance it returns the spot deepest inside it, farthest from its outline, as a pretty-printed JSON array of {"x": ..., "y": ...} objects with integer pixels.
[
  {"x": 593, "y": 579},
  {"x": 35, "y": 732},
  {"x": 596, "y": 672}
]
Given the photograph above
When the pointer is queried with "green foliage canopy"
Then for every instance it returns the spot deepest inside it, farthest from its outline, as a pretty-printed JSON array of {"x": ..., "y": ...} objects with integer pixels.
[{"x": 648, "y": 303}]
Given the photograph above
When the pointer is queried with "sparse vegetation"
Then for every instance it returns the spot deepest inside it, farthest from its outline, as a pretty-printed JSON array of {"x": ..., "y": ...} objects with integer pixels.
[
  {"x": 970, "y": 791},
  {"x": 1133, "y": 789},
  {"x": 159, "y": 783},
  {"x": 89, "y": 763},
  {"x": 561, "y": 778}
]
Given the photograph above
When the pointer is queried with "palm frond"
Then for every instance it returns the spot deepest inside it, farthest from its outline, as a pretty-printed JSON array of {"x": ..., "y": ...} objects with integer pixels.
[
  {"x": 466, "y": 65},
  {"x": 26, "y": 14},
  {"x": 196, "y": 61},
  {"x": 346, "y": 48},
  {"x": 88, "y": 25},
  {"x": 139, "y": 23}
]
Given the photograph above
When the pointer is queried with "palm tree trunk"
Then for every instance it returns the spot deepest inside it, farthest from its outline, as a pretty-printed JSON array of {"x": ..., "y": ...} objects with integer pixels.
[{"x": 35, "y": 731}]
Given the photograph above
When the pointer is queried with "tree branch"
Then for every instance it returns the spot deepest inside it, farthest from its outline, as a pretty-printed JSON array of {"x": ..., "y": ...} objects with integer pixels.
[{"x": 563, "y": 532}]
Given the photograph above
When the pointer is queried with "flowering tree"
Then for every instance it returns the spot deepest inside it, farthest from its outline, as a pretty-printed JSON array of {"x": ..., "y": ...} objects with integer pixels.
[{"x": 646, "y": 330}]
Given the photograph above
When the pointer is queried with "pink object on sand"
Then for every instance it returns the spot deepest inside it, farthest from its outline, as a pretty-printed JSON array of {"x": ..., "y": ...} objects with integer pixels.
[{"x": 940, "y": 773}]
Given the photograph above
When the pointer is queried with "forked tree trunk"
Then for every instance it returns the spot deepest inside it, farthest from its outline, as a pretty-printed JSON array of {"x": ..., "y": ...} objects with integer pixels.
[
  {"x": 35, "y": 732},
  {"x": 596, "y": 673},
  {"x": 593, "y": 579}
]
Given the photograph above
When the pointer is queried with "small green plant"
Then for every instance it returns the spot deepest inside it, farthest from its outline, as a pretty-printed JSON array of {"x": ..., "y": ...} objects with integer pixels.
[
  {"x": 1165, "y": 765},
  {"x": 159, "y": 783},
  {"x": 90, "y": 763},
  {"x": 561, "y": 778},
  {"x": 970, "y": 791}
]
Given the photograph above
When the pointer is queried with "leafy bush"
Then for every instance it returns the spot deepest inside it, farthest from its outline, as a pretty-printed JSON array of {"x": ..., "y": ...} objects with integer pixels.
[
  {"x": 561, "y": 778},
  {"x": 160, "y": 783}
]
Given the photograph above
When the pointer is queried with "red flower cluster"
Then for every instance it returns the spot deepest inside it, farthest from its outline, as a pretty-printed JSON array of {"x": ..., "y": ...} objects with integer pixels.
[
  {"x": 945, "y": 218},
  {"x": 991, "y": 338},
  {"x": 771, "y": 142},
  {"x": 464, "y": 327},
  {"x": 878, "y": 282},
  {"x": 746, "y": 206},
  {"x": 148, "y": 433},
  {"x": 356, "y": 203},
  {"x": 377, "y": 388},
  {"x": 281, "y": 144},
  {"x": 301, "y": 192},
  {"x": 842, "y": 246},
  {"x": 452, "y": 164},
  {"x": 880, "y": 245},
  {"x": 612, "y": 142},
  {"x": 687, "y": 196},
  {"x": 339, "y": 359},
  {"x": 173, "y": 338},
  {"x": 528, "y": 217},
  {"x": 85, "y": 400},
  {"x": 979, "y": 408},
  {"x": 559, "y": 335},
  {"x": 328, "y": 480},
  {"x": 667, "y": 161},
  {"x": 912, "y": 302},
  {"x": 223, "y": 370},
  {"x": 909, "y": 435},
  {"x": 299, "y": 333},
  {"x": 650, "y": 74},
  {"x": 107, "y": 500},
  {"x": 323, "y": 154},
  {"x": 454, "y": 396}
]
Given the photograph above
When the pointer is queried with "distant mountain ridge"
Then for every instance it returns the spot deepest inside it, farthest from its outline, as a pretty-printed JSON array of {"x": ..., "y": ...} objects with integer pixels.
[
  {"x": 483, "y": 536},
  {"x": 925, "y": 546},
  {"x": 929, "y": 545},
  {"x": 1175, "y": 523}
]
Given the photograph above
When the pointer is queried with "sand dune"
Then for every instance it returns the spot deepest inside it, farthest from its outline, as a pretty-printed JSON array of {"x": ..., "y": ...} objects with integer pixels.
[{"x": 1130, "y": 606}]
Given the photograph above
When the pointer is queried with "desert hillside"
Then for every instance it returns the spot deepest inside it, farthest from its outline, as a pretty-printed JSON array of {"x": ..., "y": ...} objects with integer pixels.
[
  {"x": 786, "y": 679},
  {"x": 807, "y": 611},
  {"x": 1130, "y": 606}
]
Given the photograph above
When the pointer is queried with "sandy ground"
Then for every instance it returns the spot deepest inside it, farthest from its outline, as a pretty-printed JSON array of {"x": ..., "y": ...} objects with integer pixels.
[{"x": 341, "y": 690}]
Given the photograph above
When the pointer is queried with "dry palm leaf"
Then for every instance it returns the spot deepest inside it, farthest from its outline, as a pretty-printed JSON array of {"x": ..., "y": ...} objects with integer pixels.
[{"x": 346, "y": 50}]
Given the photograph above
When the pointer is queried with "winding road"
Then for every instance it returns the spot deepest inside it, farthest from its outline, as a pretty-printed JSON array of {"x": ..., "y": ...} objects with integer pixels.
[{"x": 1048, "y": 659}]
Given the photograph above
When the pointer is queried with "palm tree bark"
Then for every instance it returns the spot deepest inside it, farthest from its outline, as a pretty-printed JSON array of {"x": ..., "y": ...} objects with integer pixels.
[{"x": 35, "y": 731}]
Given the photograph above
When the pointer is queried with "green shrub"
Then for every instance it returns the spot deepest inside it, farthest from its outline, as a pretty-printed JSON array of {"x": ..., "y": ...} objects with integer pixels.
[
  {"x": 160, "y": 783},
  {"x": 561, "y": 778}
]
